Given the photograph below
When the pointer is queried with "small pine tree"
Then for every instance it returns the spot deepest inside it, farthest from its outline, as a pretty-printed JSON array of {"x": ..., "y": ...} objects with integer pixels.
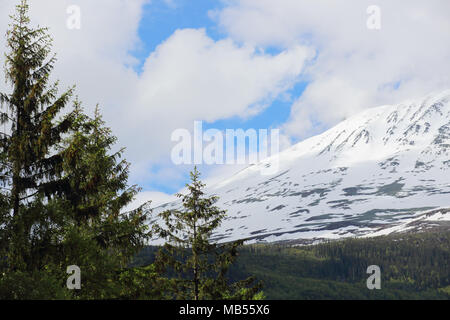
[{"x": 200, "y": 265}]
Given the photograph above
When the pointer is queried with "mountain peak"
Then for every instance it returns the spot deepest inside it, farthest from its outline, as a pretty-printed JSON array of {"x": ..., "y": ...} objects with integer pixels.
[{"x": 369, "y": 172}]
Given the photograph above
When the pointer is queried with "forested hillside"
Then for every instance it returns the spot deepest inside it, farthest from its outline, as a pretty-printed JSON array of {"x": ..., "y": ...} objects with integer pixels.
[{"x": 413, "y": 266}]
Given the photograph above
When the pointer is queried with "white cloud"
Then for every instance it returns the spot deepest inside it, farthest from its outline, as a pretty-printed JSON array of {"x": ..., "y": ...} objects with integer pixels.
[
  {"x": 355, "y": 67},
  {"x": 189, "y": 76},
  {"x": 211, "y": 80},
  {"x": 192, "y": 77}
]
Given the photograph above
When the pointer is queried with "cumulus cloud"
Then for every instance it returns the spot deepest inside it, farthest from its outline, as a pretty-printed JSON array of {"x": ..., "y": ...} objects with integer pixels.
[
  {"x": 192, "y": 77},
  {"x": 188, "y": 77},
  {"x": 355, "y": 67}
]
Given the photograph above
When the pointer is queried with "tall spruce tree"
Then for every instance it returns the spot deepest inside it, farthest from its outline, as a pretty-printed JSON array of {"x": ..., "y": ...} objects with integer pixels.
[
  {"x": 29, "y": 161},
  {"x": 100, "y": 238},
  {"x": 199, "y": 264},
  {"x": 63, "y": 190}
]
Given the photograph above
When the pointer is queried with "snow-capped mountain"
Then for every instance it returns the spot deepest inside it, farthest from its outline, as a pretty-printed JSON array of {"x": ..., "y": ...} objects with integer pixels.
[{"x": 371, "y": 174}]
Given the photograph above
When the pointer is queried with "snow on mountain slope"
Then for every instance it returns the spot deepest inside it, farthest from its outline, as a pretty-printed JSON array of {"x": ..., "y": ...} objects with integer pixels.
[{"x": 373, "y": 171}]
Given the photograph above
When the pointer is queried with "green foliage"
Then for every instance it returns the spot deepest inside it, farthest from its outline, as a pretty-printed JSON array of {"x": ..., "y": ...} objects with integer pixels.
[
  {"x": 63, "y": 189},
  {"x": 412, "y": 266},
  {"x": 38, "y": 285},
  {"x": 145, "y": 283},
  {"x": 98, "y": 237},
  {"x": 199, "y": 265}
]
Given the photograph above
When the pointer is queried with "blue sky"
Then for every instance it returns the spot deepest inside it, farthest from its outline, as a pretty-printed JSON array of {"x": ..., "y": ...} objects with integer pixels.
[{"x": 159, "y": 21}]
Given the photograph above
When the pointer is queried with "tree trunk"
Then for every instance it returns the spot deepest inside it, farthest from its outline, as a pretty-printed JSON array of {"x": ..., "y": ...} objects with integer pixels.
[{"x": 194, "y": 253}]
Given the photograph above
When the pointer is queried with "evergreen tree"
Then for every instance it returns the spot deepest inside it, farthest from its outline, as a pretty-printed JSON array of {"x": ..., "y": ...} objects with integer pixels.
[
  {"x": 100, "y": 238},
  {"x": 29, "y": 163},
  {"x": 199, "y": 263},
  {"x": 63, "y": 190}
]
